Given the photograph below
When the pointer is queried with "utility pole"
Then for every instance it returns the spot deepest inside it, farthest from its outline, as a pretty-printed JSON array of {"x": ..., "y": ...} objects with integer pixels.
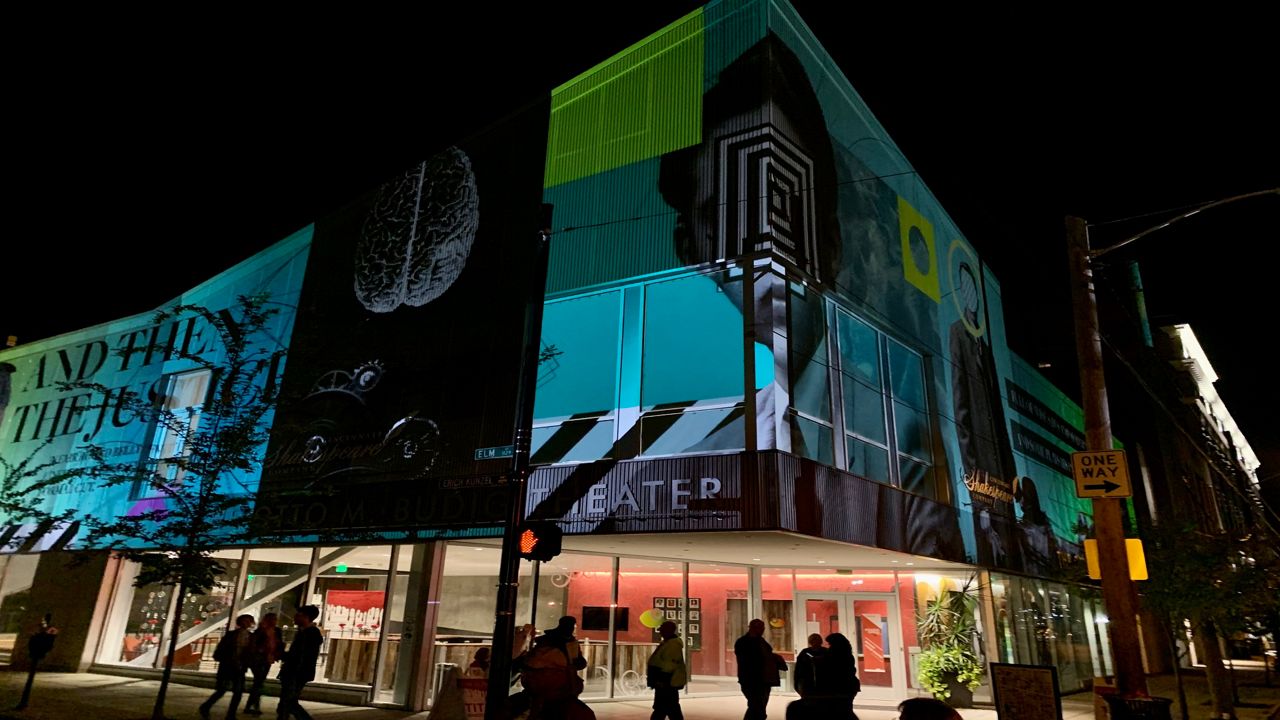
[
  {"x": 1113, "y": 560},
  {"x": 504, "y": 626}
]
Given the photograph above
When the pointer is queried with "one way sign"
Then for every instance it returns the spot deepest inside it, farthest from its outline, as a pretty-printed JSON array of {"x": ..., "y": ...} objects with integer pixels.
[{"x": 1101, "y": 473}]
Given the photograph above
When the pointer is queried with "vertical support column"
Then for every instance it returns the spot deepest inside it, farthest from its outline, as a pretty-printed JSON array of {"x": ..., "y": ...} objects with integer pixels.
[
  {"x": 388, "y": 597},
  {"x": 684, "y": 624},
  {"x": 242, "y": 579},
  {"x": 418, "y": 635},
  {"x": 755, "y": 593},
  {"x": 613, "y": 629}
]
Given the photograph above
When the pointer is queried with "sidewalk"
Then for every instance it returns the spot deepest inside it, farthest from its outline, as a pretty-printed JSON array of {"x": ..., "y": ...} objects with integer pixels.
[{"x": 84, "y": 696}]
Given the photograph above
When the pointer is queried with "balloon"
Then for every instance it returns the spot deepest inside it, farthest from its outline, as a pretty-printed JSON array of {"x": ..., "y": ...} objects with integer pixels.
[{"x": 652, "y": 618}]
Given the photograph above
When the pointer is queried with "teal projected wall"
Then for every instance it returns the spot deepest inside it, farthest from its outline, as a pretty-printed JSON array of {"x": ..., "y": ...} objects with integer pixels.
[
  {"x": 777, "y": 276},
  {"x": 43, "y": 422}
]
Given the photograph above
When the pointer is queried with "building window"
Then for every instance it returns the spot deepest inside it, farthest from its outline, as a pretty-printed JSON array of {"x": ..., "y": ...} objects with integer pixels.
[
  {"x": 883, "y": 385},
  {"x": 812, "y": 434},
  {"x": 692, "y": 370},
  {"x": 177, "y": 421},
  {"x": 577, "y": 392}
]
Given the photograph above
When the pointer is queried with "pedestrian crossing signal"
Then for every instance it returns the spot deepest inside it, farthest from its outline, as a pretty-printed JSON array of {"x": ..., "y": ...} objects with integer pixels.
[{"x": 539, "y": 541}]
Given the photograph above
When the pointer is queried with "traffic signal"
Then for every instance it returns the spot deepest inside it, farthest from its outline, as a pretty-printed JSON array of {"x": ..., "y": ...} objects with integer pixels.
[{"x": 539, "y": 540}]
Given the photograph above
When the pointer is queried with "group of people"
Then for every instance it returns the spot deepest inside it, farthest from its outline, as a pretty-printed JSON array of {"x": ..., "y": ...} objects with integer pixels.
[
  {"x": 245, "y": 648},
  {"x": 826, "y": 677}
]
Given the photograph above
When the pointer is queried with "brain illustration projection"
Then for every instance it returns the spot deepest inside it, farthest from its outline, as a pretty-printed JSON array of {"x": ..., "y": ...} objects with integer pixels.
[{"x": 418, "y": 235}]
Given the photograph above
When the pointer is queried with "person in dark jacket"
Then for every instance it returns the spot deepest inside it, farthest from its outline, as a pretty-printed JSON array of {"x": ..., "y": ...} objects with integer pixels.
[
  {"x": 232, "y": 654},
  {"x": 757, "y": 669},
  {"x": 806, "y": 678},
  {"x": 299, "y": 663},
  {"x": 266, "y": 647},
  {"x": 837, "y": 675}
]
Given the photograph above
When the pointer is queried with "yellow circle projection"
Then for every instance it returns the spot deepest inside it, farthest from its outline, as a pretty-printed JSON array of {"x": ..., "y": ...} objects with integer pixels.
[
  {"x": 776, "y": 622},
  {"x": 652, "y": 618}
]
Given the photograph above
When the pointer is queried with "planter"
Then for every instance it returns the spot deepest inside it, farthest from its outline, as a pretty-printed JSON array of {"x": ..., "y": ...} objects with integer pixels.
[{"x": 961, "y": 695}]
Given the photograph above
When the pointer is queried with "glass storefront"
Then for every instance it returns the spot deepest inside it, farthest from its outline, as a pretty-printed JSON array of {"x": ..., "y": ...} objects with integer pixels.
[
  {"x": 17, "y": 572},
  {"x": 1040, "y": 622},
  {"x": 352, "y": 586},
  {"x": 369, "y": 595}
]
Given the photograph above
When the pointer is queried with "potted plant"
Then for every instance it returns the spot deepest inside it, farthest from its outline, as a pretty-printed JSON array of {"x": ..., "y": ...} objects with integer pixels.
[{"x": 949, "y": 665}]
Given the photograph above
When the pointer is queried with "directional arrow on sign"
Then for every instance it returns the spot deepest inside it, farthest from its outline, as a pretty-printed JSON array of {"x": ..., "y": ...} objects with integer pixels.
[{"x": 1101, "y": 474}]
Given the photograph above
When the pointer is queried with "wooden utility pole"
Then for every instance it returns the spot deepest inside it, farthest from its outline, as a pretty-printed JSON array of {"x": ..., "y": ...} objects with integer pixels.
[{"x": 1117, "y": 589}]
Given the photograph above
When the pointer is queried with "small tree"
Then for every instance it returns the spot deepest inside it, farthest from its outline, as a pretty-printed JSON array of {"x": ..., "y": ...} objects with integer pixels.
[
  {"x": 203, "y": 490},
  {"x": 1214, "y": 581}
]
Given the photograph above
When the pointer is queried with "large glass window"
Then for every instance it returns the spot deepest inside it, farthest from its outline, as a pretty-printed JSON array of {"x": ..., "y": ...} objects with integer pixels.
[
  {"x": 574, "y": 408},
  {"x": 652, "y": 591},
  {"x": 911, "y": 420},
  {"x": 464, "y": 621},
  {"x": 692, "y": 374},
  {"x": 178, "y": 420},
  {"x": 1046, "y": 623},
  {"x": 715, "y": 616},
  {"x": 883, "y": 384},
  {"x": 812, "y": 435},
  {"x": 19, "y": 572},
  {"x": 350, "y": 589},
  {"x": 863, "y": 399},
  {"x": 204, "y": 616}
]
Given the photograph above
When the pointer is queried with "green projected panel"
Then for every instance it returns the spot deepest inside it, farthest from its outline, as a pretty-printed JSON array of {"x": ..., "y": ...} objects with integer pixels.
[{"x": 641, "y": 103}]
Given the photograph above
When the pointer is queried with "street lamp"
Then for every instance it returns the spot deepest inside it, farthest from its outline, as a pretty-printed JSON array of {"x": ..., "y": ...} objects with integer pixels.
[{"x": 1117, "y": 589}]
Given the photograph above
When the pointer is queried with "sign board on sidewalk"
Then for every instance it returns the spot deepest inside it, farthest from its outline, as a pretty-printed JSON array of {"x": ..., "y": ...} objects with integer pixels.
[
  {"x": 1025, "y": 692},
  {"x": 1101, "y": 474}
]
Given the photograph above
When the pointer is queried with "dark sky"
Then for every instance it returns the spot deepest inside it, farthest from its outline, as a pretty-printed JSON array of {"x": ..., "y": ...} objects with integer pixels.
[{"x": 142, "y": 162}]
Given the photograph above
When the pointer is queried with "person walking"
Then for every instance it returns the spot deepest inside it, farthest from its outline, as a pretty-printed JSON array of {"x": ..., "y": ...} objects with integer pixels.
[
  {"x": 549, "y": 673},
  {"x": 299, "y": 663},
  {"x": 232, "y": 655},
  {"x": 837, "y": 675},
  {"x": 266, "y": 647},
  {"x": 667, "y": 674},
  {"x": 758, "y": 668}
]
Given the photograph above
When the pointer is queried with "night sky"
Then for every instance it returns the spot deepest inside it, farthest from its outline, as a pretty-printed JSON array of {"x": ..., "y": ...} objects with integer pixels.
[{"x": 141, "y": 163}]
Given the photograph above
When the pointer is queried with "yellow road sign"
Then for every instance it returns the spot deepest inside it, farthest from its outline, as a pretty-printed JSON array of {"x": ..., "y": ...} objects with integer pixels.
[{"x": 1101, "y": 473}]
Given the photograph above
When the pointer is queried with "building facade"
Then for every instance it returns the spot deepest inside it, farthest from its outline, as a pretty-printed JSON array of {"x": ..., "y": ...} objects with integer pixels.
[{"x": 774, "y": 382}]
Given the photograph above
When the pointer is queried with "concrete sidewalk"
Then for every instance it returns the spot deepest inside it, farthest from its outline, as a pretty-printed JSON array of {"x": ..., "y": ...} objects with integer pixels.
[{"x": 84, "y": 696}]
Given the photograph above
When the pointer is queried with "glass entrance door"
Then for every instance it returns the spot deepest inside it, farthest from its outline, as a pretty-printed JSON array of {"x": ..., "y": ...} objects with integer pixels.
[{"x": 871, "y": 622}]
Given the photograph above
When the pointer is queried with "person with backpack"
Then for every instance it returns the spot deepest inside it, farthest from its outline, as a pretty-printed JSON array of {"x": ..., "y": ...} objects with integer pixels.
[
  {"x": 667, "y": 674},
  {"x": 266, "y": 647},
  {"x": 232, "y": 655},
  {"x": 807, "y": 660},
  {"x": 549, "y": 674}
]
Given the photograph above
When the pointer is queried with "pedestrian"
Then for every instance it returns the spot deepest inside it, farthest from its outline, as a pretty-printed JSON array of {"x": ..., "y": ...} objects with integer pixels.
[
  {"x": 806, "y": 677},
  {"x": 758, "y": 669},
  {"x": 926, "y": 709},
  {"x": 233, "y": 657},
  {"x": 550, "y": 673},
  {"x": 667, "y": 674},
  {"x": 299, "y": 666},
  {"x": 837, "y": 675},
  {"x": 266, "y": 647},
  {"x": 479, "y": 666}
]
